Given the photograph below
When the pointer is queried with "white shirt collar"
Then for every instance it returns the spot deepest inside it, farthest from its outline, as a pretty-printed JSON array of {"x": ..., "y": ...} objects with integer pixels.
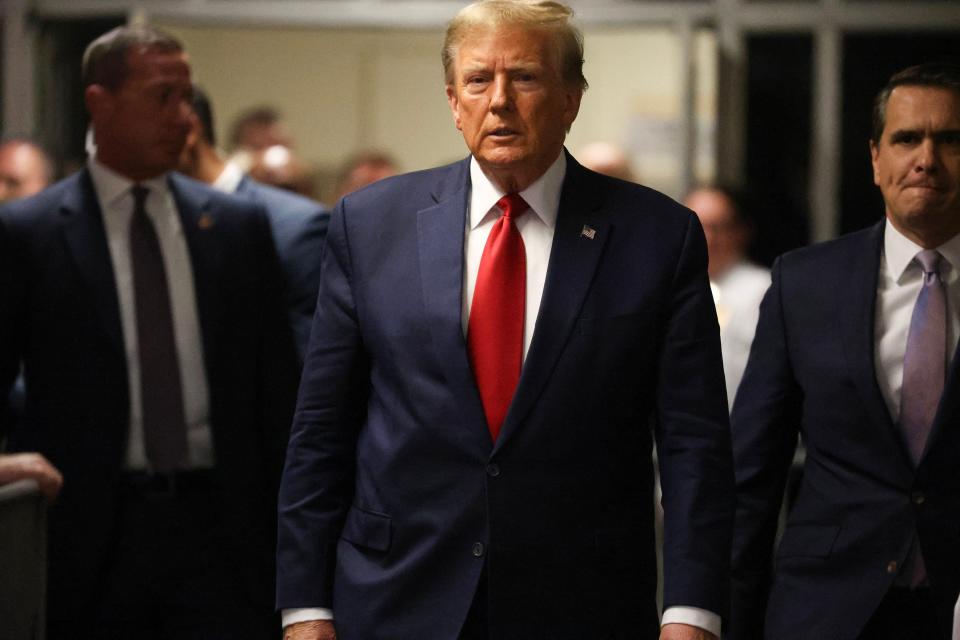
[
  {"x": 899, "y": 251},
  {"x": 111, "y": 186},
  {"x": 543, "y": 195},
  {"x": 229, "y": 179}
]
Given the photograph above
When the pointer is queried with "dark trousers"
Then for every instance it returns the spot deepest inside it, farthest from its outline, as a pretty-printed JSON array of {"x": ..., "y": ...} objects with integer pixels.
[
  {"x": 905, "y": 614},
  {"x": 170, "y": 575}
]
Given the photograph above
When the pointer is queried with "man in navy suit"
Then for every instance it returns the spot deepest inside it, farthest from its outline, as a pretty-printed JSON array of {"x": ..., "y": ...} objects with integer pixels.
[
  {"x": 159, "y": 368},
  {"x": 855, "y": 352},
  {"x": 299, "y": 224},
  {"x": 471, "y": 452}
]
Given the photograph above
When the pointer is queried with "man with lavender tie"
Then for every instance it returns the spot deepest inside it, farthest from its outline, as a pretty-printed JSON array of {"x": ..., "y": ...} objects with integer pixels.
[{"x": 855, "y": 352}]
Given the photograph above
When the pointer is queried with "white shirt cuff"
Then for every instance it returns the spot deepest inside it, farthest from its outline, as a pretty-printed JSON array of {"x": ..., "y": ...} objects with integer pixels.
[
  {"x": 694, "y": 616},
  {"x": 292, "y": 616}
]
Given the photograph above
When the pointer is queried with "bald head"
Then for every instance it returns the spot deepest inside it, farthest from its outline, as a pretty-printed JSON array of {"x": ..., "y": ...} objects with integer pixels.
[
  {"x": 726, "y": 234},
  {"x": 24, "y": 170},
  {"x": 607, "y": 159}
]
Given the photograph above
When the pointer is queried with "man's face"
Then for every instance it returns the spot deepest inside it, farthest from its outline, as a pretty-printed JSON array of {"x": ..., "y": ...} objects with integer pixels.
[
  {"x": 22, "y": 171},
  {"x": 511, "y": 104},
  {"x": 141, "y": 127},
  {"x": 726, "y": 239},
  {"x": 916, "y": 163}
]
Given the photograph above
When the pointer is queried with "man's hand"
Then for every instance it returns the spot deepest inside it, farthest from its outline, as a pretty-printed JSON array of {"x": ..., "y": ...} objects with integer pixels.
[
  {"x": 311, "y": 630},
  {"x": 684, "y": 632},
  {"x": 31, "y": 466}
]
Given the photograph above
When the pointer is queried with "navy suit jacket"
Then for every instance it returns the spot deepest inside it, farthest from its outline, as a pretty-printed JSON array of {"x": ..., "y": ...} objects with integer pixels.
[
  {"x": 811, "y": 371},
  {"x": 59, "y": 315},
  {"x": 394, "y": 499},
  {"x": 299, "y": 227}
]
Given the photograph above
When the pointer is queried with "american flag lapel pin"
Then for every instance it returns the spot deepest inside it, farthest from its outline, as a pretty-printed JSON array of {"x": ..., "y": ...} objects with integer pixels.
[
  {"x": 205, "y": 221},
  {"x": 588, "y": 232}
]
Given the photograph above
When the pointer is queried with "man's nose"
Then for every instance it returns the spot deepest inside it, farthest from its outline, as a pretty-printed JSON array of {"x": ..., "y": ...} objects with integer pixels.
[
  {"x": 928, "y": 158},
  {"x": 502, "y": 97}
]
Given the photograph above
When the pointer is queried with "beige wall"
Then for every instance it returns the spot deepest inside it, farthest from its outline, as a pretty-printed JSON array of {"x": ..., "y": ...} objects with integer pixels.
[{"x": 345, "y": 89}]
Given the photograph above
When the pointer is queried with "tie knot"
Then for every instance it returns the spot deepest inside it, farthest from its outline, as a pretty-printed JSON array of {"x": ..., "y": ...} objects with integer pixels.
[
  {"x": 929, "y": 260},
  {"x": 512, "y": 205},
  {"x": 139, "y": 196}
]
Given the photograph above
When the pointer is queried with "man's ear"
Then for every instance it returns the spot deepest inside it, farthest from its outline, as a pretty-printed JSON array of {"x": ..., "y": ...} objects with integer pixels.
[
  {"x": 875, "y": 161},
  {"x": 98, "y": 101},
  {"x": 454, "y": 102}
]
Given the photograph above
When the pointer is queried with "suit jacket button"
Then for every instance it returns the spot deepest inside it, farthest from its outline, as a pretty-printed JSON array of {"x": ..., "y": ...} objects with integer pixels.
[
  {"x": 918, "y": 498},
  {"x": 493, "y": 469},
  {"x": 478, "y": 549},
  {"x": 892, "y": 566}
]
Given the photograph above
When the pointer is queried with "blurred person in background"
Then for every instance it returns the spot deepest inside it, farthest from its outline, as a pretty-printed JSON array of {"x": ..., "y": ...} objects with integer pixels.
[
  {"x": 25, "y": 169},
  {"x": 362, "y": 169},
  {"x": 608, "y": 159},
  {"x": 299, "y": 225},
  {"x": 281, "y": 167},
  {"x": 738, "y": 285}
]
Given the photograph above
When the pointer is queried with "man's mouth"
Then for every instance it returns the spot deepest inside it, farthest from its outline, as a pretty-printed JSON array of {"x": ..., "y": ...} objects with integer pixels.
[{"x": 502, "y": 132}]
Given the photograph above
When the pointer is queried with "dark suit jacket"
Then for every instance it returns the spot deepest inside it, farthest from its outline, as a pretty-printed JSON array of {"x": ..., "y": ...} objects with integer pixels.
[
  {"x": 812, "y": 371},
  {"x": 59, "y": 315},
  {"x": 299, "y": 227},
  {"x": 394, "y": 498}
]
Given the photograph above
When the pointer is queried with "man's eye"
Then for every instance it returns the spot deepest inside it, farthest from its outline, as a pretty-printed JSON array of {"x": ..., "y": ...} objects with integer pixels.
[{"x": 905, "y": 138}]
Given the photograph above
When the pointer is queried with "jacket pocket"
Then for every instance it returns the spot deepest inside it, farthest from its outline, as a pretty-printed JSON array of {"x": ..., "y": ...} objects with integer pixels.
[
  {"x": 808, "y": 540},
  {"x": 367, "y": 529}
]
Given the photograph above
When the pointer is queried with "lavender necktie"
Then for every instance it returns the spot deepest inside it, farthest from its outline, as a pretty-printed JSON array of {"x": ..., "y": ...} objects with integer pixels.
[
  {"x": 924, "y": 368},
  {"x": 161, "y": 395},
  {"x": 924, "y": 362}
]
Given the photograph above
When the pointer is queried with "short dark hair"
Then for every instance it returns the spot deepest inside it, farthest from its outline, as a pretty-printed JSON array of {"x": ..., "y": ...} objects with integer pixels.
[
  {"x": 204, "y": 112},
  {"x": 264, "y": 115},
  {"x": 105, "y": 59},
  {"x": 943, "y": 75}
]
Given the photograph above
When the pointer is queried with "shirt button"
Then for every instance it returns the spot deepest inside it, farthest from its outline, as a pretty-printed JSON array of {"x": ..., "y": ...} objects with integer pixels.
[
  {"x": 493, "y": 469},
  {"x": 478, "y": 549},
  {"x": 918, "y": 497},
  {"x": 892, "y": 566}
]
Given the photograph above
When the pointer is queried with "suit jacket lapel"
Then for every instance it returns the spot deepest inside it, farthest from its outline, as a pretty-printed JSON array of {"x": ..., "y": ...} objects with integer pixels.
[
  {"x": 856, "y": 301},
  {"x": 87, "y": 241},
  {"x": 573, "y": 260},
  {"x": 440, "y": 233},
  {"x": 199, "y": 228}
]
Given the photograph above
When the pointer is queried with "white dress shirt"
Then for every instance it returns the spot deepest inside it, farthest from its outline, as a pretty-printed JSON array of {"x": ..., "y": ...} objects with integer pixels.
[
  {"x": 737, "y": 294},
  {"x": 536, "y": 227},
  {"x": 898, "y": 286},
  {"x": 229, "y": 179},
  {"x": 116, "y": 204}
]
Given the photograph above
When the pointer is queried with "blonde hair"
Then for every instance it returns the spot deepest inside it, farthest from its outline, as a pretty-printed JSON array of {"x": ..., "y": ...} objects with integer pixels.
[{"x": 533, "y": 14}]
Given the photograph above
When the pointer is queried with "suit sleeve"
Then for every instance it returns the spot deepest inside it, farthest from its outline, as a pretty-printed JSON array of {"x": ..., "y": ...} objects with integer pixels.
[
  {"x": 305, "y": 252},
  {"x": 693, "y": 439},
  {"x": 765, "y": 423},
  {"x": 317, "y": 486}
]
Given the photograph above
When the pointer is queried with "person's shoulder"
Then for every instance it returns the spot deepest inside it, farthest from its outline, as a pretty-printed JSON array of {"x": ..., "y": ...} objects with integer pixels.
[
  {"x": 826, "y": 256},
  {"x": 46, "y": 205},
  {"x": 201, "y": 196},
  {"x": 280, "y": 201},
  {"x": 630, "y": 200}
]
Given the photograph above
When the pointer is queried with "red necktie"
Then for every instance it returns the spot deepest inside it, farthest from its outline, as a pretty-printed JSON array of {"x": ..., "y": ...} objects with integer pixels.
[{"x": 495, "y": 329}]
